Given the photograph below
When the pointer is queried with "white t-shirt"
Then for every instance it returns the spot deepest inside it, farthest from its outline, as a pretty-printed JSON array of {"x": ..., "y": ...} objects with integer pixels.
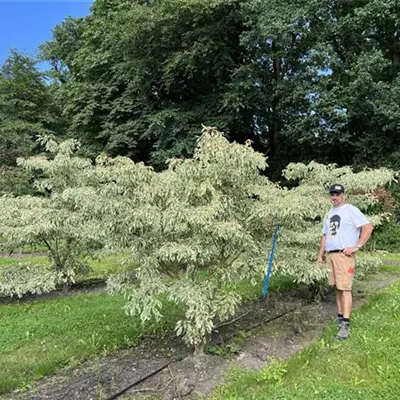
[{"x": 342, "y": 226}]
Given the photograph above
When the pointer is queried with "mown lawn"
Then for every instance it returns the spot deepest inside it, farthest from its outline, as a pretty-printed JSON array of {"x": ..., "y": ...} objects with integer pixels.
[
  {"x": 101, "y": 268},
  {"x": 366, "y": 367},
  {"x": 39, "y": 337},
  {"x": 389, "y": 256}
]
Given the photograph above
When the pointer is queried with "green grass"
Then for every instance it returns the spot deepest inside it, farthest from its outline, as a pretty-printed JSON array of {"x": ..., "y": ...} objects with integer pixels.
[
  {"x": 391, "y": 269},
  {"x": 366, "y": 367},
  {"x": 277, "y": 285},
  {"x": 101, "y": 268},
  {"x": 10, "y": 261},
  {"x": 39, "y": 337},
  {"x": 389, "y": 256},
  {"x": 106, "y": 266}
]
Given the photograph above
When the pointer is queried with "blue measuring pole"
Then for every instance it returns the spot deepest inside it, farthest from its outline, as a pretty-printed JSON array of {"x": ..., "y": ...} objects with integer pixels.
[{"x": 271, "y": 256}]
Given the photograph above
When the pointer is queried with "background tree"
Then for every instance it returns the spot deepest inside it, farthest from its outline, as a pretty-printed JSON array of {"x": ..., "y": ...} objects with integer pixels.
[
  {"x": 345, "y": 110},
  {"x": 305, "y": 81},
  {"x": 277, "y": 39},
  {"x": 27, "y": 108},
  {"x": 61, "y": 51},
  {"x": 149, "y": 73}
]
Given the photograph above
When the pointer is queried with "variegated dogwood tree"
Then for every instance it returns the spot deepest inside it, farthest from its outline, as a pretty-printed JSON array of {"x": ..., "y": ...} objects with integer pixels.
[
  {"x": 72, "y": 218},
  {"x": 196, "y": 229},
  {"x": 56, "y": 220},
  {"x": 202, "y": 226}
]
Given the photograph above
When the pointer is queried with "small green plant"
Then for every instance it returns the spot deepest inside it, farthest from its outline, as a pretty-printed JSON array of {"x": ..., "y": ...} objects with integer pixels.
[
  {"x": 273, "y": 373},
  {"x": 215, "y": 349},
  {"x": 223, "y": 350}
]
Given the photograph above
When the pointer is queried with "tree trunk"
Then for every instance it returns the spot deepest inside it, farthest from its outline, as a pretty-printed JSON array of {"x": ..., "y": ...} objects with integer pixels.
[
  {"x": 199, "y": 349},
  {"x": 274, "y": 135}
]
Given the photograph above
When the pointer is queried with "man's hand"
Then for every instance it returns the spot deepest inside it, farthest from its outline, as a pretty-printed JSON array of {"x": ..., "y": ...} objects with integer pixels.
[
  {"x": 320, "y": 260},
  {"x": 350, "y": 250}
]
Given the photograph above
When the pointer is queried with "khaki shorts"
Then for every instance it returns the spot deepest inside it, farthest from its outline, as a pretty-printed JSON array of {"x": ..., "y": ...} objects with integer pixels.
[{"x": 341, "y": 270}]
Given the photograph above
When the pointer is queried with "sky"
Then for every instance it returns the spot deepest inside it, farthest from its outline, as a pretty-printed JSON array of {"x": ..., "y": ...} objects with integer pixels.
[{"x": 24, "y": 25}]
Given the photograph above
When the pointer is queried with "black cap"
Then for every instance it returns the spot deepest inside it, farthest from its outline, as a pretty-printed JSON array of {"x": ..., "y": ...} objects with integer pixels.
[{"x": 336, "y": 188}]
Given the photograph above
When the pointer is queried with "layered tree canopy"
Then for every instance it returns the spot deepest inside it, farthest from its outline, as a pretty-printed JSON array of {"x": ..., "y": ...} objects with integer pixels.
[{"x": 315, "y": 80}]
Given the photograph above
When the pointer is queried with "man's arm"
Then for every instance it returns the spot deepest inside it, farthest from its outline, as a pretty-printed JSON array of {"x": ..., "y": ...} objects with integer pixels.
[
  {"x": 321, "y": 251},
  {"x": 365, "y": 234}
]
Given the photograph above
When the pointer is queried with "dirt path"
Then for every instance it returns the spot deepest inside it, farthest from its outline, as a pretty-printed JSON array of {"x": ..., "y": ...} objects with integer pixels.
[{"x": 264, "y": 329}]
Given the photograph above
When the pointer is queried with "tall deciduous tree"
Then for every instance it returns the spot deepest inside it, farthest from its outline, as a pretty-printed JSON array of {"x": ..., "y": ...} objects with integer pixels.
[
  {"x": 61, "y": 51},
  {"x": 27, "y": 108},
  {"x": 149, "y": 73},
  {"x": 278, "y": 40},
  {"x": 303, "y": 80},
  {"x": 346, "y": 108}
]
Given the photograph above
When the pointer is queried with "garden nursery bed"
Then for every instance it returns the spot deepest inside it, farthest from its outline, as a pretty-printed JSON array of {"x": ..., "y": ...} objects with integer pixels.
[{"x": 161, "y": 367}]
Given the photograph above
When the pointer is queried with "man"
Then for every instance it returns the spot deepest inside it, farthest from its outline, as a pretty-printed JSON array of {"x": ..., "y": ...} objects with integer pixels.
[{"x": 344, "y": 232}]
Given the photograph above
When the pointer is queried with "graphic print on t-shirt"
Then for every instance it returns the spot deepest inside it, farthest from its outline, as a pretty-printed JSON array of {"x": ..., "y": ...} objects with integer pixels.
[{"x": 334, "y": 224}]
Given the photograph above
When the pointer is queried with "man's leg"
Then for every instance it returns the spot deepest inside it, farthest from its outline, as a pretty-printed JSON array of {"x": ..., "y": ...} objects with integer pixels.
[
  {"x": 339, "y": 301},
  {"x": 344, "y": 274},
  {"x": 332, "y": 282},
  {"x": 339, "y": 307},
  {"x": 346, "y": 305}
]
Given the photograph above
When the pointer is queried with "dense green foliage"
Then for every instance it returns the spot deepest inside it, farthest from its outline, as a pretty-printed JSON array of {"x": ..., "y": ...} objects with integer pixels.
[
  {"x": 342, "y": 63},
  {"x": 386, "y": 237},
  {"x": 27, "y": 109},
  {"x": 316, "y": 80},
  {"x": 147, "y": 74},
  {"x": 15, "y": 181}
]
